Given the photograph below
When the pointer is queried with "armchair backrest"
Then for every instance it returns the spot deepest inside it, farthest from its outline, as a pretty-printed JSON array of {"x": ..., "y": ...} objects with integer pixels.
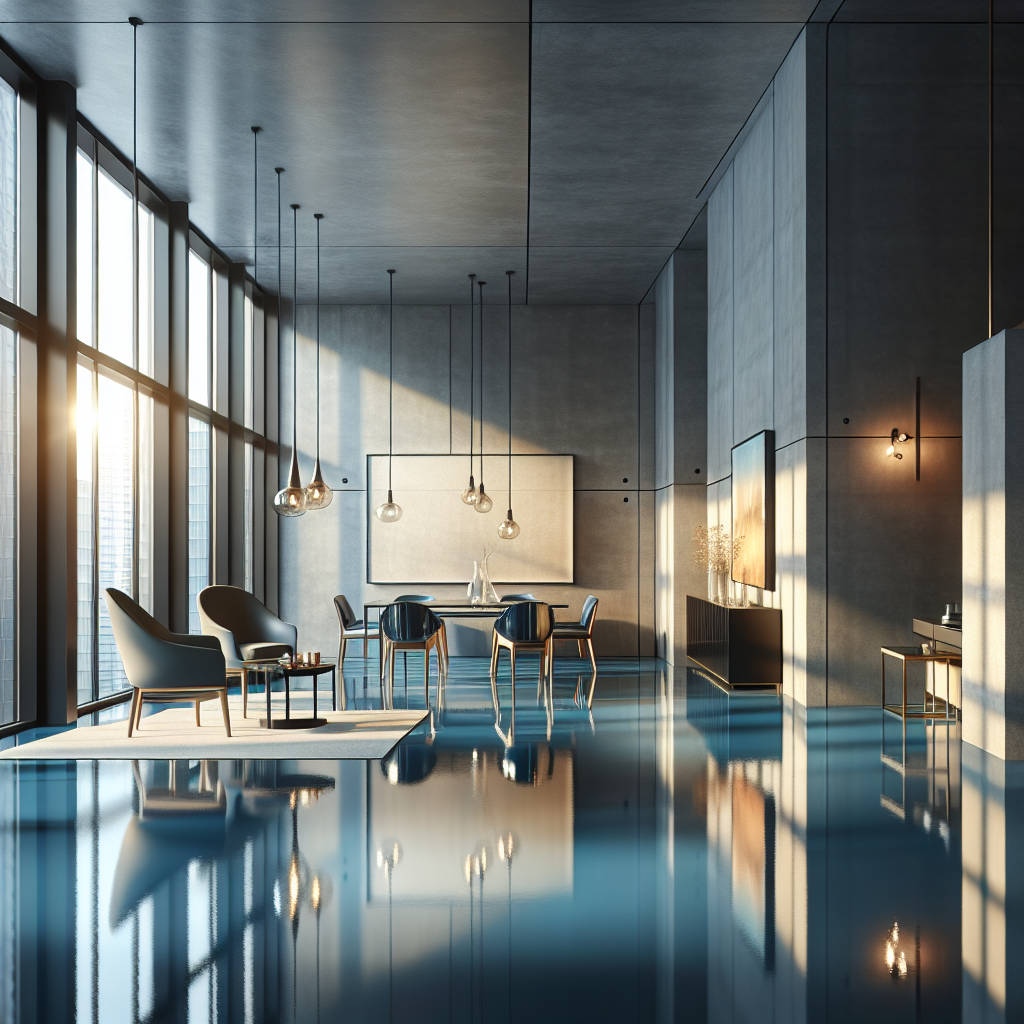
[
  {"x": 154, "y": 658},
  {"x": 235, "y": 617},
  {"x": 526, "y": 622}
]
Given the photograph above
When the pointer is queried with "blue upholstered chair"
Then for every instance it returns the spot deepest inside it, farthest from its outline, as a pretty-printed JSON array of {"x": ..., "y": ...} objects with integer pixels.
[{"x": 410, "y": 626}]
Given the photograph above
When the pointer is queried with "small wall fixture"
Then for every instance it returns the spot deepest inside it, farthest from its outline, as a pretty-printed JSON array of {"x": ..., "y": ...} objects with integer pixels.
[{"x": 897, "y": 437}]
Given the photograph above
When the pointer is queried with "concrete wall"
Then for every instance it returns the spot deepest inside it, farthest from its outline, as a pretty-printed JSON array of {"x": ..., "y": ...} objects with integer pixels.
[
  {"x": 993, "y": 561},
  {"x": 766, "y": 343},
  {"x": 680, "y": 451},
  {"x": 582, "y": 385},
  {"x": 855, "y": 212}
]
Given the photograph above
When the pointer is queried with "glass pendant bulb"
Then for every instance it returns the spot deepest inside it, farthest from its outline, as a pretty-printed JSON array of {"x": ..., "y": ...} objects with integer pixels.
[
  {"x": 318, "y": 494},
  {"x": 389, "y": 512},
  {"x": 509, "y": 529},
  {"x": 291, "y": 500},
  {"x": 469, "y": 494},
  {"x": 483, "y": 500}
]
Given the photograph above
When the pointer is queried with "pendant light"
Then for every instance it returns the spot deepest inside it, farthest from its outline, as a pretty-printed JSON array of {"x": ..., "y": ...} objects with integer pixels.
[
  {"x": 483, "y": 500},
  {"x": 135, "y": 23},
  {"x": 469, "y": 494},
  {"x": 509, "y": 529},
  {"x": 290, "y": 500},
  {"x": 389, "y": 512},
  {"x": 318, "y": 494}
]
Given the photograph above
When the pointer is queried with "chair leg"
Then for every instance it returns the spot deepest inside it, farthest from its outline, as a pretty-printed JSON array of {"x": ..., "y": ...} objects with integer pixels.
[
  {"x": 593, "y": 660},
  {"x": 224, "y": 710},
  {"x": 512, "y": 658},
  {"x": 245, "y": 693},
  {"x": 136, "y": 700},
  {"x": 494, "y": 654},
  {"x": 391, "y": 678},
  {"x": 197, "y": 713},
  {"x": 579, "y": 644},
  {"x": 341, "y": 654},
  {"x": 138, "y": 710},
  {"x": 426, "y": 676}
]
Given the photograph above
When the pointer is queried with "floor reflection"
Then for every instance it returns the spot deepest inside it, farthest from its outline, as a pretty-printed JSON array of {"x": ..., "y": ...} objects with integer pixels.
[{"x": 670, "y": 853}]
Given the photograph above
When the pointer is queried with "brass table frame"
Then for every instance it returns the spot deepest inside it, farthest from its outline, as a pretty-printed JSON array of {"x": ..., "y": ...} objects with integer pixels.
[{"x": 905, "y": 654}]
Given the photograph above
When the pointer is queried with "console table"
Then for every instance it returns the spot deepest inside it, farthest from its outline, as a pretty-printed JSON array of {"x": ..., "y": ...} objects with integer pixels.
[{"x": 741, "y": 646}]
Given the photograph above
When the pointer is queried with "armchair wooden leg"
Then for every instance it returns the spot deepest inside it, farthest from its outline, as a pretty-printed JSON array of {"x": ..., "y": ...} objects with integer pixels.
[
  {"x": 579, "y": 644},
  {"x": 245, "y": 693},
  {"x": 197, "y": 714},
  {"x": 136, "y": 700},
  {"x": 593, "y": 660},
  {"x": 224, "y": 710},
  {"x": 494, "y": 654},
  {"x": 512, "y": 658},
  {"x": 341, "y": 653},
  {"x": 138, "y": 710}
]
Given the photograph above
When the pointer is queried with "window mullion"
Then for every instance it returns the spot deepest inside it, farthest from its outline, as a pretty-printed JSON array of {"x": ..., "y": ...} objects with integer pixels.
[
  {"x": 135, "y": 492},
  {"x": 94, "y": 418}
]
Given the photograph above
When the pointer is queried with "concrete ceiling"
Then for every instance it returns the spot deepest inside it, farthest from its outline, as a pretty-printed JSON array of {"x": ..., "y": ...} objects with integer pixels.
[{"x": 423, "y": 131}]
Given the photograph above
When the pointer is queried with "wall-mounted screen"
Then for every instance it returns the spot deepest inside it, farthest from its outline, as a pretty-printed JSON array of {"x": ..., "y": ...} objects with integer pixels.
[
  {"x": 753, "y": 511},
  {"x": 439, "y": 537}
]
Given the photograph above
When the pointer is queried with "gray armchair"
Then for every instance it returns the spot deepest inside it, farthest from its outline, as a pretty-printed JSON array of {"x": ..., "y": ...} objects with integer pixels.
[
  {"x": 246, "y": 629},
  {"x": 165, "y": 667}
]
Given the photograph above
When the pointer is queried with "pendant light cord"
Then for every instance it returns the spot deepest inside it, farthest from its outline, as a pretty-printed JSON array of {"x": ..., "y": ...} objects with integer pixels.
[
  {"x": 135, "y": 23},
  {"x": 295, "y": 333},
  {"x": 391, "y": 369},
  {"x": 480, "y": 285},
  {"x": 509, "y": 273},
  {"x": 255, "y": 199},
  {"x": 991, "y": 153},
  {"x": 319, "y": 217},
  {"x": 472, "y": 369}
]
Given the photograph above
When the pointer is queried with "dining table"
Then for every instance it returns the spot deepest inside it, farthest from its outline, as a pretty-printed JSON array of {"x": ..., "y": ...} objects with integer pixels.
[{"x": 446, "y": 610}]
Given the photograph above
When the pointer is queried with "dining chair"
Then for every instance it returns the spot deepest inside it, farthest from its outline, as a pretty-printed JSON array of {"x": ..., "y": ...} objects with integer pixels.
[
  {"x": 524, "y": 626},
  {"x": 246, "y": 629},
  {"x": 165, "y": 667},
  {"x": 518, "y": 597},
  {"x": 582, "y": 632},
  {"x": 410, "y": 626},
  {"x": 351, "y": 628},
  {"x": 421, "y": 599}
]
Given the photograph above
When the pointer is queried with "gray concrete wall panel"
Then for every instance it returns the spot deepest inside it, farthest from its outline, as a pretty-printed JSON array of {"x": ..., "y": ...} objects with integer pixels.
[
  {"x": 720, "y": 328},
  {"x": 790, "y": 325},
  {"x": 690, "y": 366},
  {"x": 753, "y": 280}
]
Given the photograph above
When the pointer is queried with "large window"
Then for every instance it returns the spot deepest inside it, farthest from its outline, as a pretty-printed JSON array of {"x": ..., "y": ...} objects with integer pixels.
[
  {"x": 202, "y": 295},
  {"x": 115, "y": 419},
  {"x": 9, "y": 289}
]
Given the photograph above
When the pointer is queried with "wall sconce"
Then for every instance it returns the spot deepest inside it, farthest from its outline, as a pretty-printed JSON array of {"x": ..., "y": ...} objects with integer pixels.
[{"x": 898, "y": 437}]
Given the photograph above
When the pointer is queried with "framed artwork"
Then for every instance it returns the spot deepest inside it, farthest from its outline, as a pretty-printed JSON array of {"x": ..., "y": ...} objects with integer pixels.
[{"x": 753, "y": 511}]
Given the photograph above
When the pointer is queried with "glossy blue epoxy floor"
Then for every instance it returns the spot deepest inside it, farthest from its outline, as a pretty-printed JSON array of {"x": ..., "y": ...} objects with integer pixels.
[{"x": 676, "y": 855}]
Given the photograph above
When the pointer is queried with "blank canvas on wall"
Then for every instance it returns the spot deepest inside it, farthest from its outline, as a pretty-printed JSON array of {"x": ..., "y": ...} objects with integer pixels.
[
  {"x": 438, "y": 537},
  {"x": 753, "y": 511}
]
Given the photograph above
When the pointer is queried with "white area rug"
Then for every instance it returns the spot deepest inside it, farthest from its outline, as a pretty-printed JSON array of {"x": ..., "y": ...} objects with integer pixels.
[{"x": 172, "y": 733}]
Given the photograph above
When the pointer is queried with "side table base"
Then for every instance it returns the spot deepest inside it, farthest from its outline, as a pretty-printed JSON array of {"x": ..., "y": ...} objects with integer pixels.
[{"x": 292, "y": 723}]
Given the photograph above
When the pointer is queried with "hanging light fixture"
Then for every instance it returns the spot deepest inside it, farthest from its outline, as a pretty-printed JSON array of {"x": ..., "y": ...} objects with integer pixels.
[
  {"x": 469, "y": 494},
  {"x": 290, "y": 500},
  {"x": 135, "y": 23},
  {"x": 509, "y": 529},
  {"x": 483, "y": 500},
  {"x": 389, "y": 512},
  {"x": 318, "y": 494}
]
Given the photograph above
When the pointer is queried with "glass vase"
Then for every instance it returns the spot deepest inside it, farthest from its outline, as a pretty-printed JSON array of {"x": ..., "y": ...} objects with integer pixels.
[
  {"x": 475, "y": 590},
  {"x": 488, "y": 595},
  {"x": 723, "y": 588}
]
